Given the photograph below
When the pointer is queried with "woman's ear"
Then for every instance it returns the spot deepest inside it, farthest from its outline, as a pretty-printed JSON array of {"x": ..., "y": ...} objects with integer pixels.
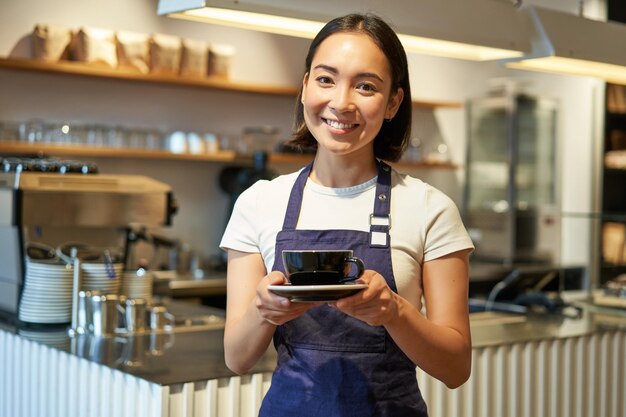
[
  {"x": 394, "y": 104},
  {"x": 305, "y": 81}
]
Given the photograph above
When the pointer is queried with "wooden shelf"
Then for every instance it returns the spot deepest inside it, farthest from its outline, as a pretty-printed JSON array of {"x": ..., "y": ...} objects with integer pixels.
[
  {"x": 63, "y": 150},
  {"x": 15, "y": 148},
  {"x": 422, "y": 104},
  {"x": 79, "y": 69}
]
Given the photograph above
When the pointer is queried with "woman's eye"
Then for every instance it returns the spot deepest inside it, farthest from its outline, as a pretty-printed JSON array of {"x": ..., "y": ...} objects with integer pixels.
[
  {"x": 366, "y": 87},
  {"x": 323, "y": 80}
]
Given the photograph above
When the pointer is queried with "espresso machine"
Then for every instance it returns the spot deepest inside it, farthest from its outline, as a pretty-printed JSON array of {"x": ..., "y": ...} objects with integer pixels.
[{"x": 52, "y": 202}]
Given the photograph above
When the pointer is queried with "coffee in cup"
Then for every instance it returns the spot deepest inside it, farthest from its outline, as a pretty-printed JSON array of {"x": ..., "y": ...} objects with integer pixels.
[{"x": 321, "y": 267}]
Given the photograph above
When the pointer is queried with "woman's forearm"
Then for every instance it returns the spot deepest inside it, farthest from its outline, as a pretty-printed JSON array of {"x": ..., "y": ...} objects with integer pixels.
[
  {"x": 246, "y": 338},
  {"x": 246, "y": 335},
  {"x": 441, "y": 351}
]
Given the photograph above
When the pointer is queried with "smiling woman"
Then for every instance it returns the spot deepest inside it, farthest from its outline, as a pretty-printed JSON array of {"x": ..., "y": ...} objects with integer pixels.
[
  {"x": 354, "y": 353},
  {"x": 381, "y": 48},
  {"x": 348, "y": 94}
]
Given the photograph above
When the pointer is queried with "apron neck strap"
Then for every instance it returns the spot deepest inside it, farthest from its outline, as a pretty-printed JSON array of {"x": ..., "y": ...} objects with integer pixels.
[
  {"x": 295, "y": 199},
  {"x": 380, "y": 219},
  {"x": 383, "y": 191}
]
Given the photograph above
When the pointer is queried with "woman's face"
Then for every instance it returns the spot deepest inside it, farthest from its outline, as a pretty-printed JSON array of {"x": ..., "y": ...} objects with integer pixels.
[{"x": 347, "y": 93}]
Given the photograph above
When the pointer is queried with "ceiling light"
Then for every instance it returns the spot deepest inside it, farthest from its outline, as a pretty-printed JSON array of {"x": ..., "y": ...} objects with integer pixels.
[
  {"x": 478, "y": 30},
  {"x": 568, "y": 44},
  {"x": 254, "y": 21}
]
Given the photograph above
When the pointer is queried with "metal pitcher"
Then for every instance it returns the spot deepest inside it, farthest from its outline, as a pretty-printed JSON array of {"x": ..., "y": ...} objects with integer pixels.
[
  {"x": 84, "y": 319},
  {"x": 134, "y": 314},
  {"x": 106, "y": 314}
]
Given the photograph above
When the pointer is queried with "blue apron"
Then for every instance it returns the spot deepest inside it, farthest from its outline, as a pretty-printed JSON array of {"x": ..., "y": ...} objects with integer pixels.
[{"x": 331, "y": 364}]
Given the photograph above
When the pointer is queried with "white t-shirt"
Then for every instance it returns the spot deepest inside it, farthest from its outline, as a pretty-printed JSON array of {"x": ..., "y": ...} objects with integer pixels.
[{"x": 425, "y": 223}]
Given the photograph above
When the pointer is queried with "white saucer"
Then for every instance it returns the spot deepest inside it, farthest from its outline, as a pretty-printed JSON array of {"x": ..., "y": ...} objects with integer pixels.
[{"x": 316, "y": 292}]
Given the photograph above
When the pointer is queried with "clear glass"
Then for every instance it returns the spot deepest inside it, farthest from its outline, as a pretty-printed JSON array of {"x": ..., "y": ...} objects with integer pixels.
[
  {"x": 259, "y": 138},
  {"x": 32, "y": 131}
]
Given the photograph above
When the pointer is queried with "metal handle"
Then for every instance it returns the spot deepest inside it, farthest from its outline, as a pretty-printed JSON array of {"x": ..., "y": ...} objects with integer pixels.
[{"x": 76, "y": 284}]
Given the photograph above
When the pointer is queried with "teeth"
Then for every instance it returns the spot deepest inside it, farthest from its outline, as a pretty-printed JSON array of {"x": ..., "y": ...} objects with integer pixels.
[{"x": 337, "y": 125}]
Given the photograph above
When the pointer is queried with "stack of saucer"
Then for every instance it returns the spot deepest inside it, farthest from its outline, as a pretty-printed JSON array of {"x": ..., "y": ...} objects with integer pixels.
[
  {"x": 105, "y": 277},
  {"x": 137, "y": 284},
  {"x": 47, "y": 293}
]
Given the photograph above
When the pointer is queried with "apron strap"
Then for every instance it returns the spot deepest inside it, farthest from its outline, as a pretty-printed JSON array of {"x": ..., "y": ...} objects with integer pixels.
[
  {"x": 380, "y": 219},
  {"x": 295, "y": 199}
]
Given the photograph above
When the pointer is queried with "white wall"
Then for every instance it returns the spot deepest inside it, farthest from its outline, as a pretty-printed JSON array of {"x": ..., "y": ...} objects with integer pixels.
[
  {"x": 592, "y": 9},
  {"x": 261, "y": 58}
]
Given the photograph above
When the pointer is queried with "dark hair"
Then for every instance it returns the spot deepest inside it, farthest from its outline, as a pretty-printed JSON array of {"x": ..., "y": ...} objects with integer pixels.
[{"x": 394, "y": 135}]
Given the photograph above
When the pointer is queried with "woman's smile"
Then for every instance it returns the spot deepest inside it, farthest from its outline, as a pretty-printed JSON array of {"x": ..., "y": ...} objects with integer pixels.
[{"x": 342, "y": 126}]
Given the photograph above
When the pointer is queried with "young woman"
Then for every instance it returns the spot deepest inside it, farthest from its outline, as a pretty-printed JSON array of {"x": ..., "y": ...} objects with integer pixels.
[{"x": 355, "y": 356}]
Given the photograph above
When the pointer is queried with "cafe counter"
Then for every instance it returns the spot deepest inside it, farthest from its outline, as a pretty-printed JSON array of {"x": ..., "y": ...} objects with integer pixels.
[{"x": 522, "y": 365}]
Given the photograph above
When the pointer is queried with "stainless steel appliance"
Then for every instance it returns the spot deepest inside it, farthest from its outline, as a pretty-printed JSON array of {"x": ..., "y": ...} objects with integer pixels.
[
  {"x": 510, "y": 205},
  {"x": 79, "y": 205}
]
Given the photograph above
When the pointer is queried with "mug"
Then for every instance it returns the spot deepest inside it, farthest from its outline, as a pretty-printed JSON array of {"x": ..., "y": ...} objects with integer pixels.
[
  {"x": 134, "y": 314},
  {"x": 106, "y": 313},
  {"x": 159, "y": 318},
  {"x": 321, "y": 267}
]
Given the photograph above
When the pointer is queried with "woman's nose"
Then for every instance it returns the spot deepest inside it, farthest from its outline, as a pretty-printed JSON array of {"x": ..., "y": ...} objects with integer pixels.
[{"x": 341, "y": 100}]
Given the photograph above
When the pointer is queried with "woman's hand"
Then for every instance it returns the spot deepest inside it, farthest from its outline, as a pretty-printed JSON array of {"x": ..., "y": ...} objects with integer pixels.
[
  {"x": 252, "y": 311},
  {"x": 375, "y": 305},
  {"x": 273, "y": 308}
]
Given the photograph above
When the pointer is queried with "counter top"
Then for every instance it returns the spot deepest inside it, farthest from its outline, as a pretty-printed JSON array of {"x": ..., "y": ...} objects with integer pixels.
[
  {"x": 507, "y": 328},
  {"x": 187, "y": 355},
  {"x": 169, "y": 283}
]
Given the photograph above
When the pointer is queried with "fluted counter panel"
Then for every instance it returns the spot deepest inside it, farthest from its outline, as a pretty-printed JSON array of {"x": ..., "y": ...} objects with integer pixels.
[{"x": 526, "y": 367}]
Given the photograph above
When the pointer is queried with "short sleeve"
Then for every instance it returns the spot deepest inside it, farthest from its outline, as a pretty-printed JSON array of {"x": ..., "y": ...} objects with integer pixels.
[
  {"x": 241, "y": 232},
  {"x": 445, "y": 232}
]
